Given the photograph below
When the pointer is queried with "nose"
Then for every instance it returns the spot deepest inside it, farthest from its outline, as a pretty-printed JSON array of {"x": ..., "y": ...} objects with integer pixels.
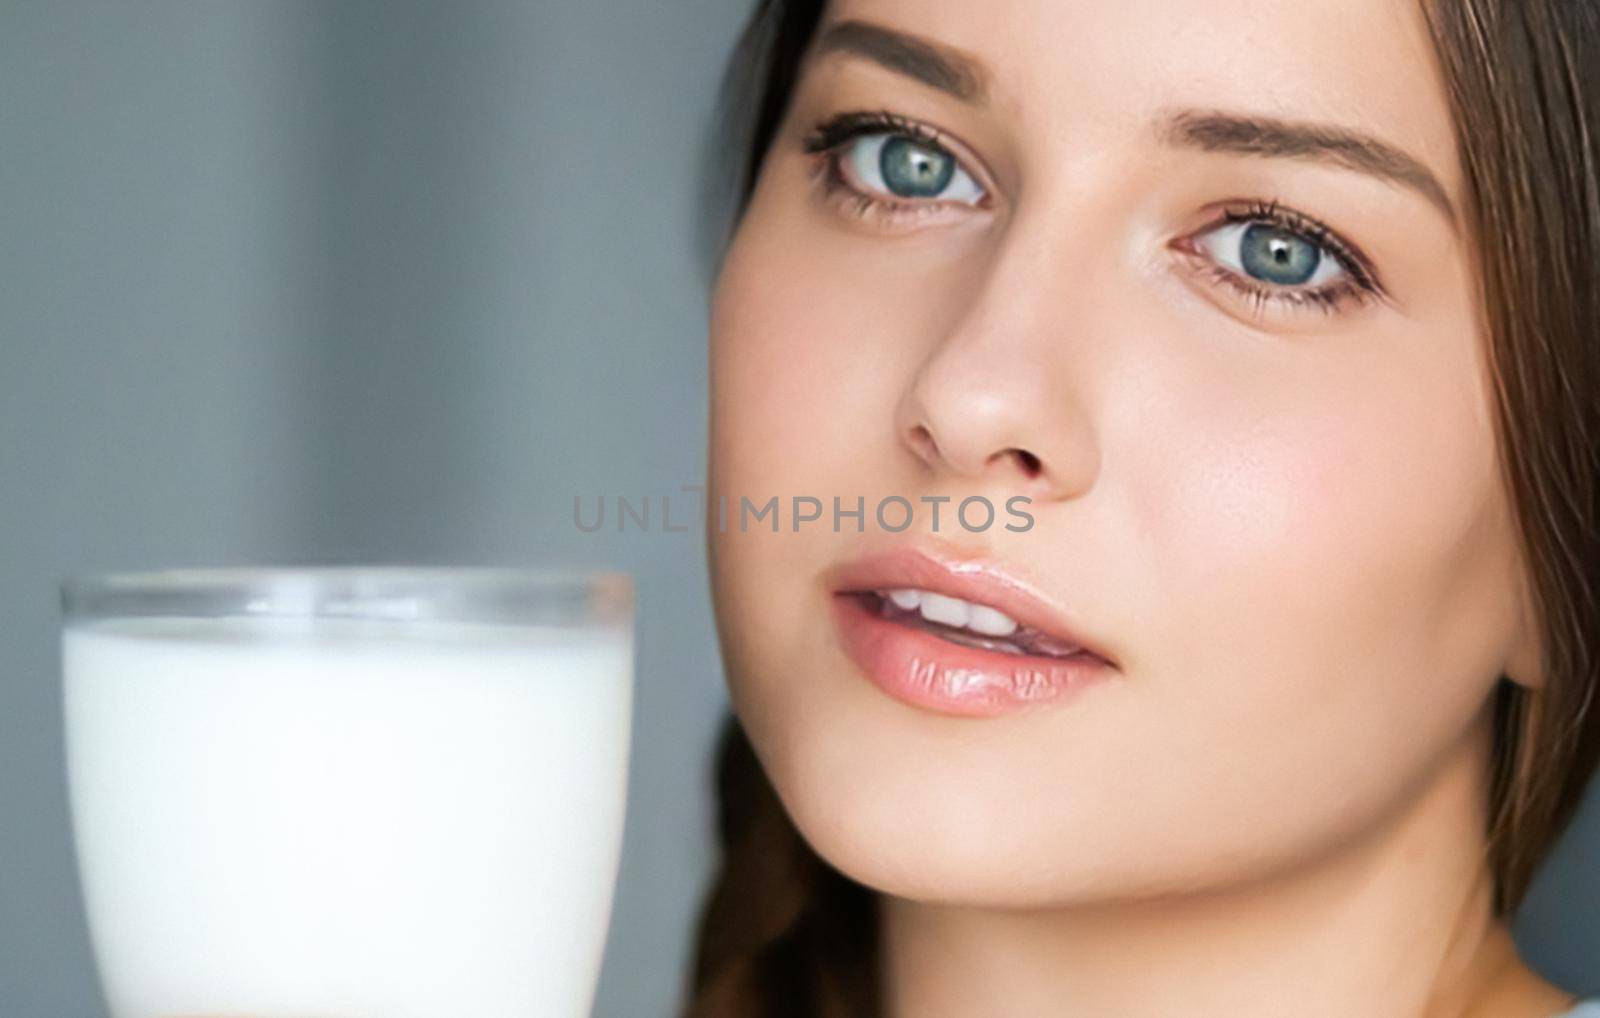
[{"x": 997, "y": 399}]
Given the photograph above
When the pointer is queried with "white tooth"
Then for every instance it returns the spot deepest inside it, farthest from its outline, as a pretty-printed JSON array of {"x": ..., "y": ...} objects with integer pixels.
[
  {"x": 906, "y": 599},
  {"x": 990, "y": 622},
  {"x": 951, "y": 611}
]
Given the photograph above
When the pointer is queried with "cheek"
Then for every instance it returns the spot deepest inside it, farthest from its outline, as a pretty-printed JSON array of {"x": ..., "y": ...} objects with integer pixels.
[
  {"x": 785, "y": 389},
  {"x": 787, "y": 396},
  {"x": 1355, "y": 512},
  {"x": 814, "y": 334},
  {"x": 809, "y": 354},
  {"x": 1333, "y": 573}
]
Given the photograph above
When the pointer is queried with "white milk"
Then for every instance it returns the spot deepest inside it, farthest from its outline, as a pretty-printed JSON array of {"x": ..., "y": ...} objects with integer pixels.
[{"x": 295, "y": 817}]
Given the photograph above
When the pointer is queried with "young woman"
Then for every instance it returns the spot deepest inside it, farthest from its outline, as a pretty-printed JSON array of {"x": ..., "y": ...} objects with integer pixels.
[{"x": 1267, "y": 334}]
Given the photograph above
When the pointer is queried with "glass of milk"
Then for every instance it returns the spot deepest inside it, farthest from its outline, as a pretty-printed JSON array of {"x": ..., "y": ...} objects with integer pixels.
[{"x": 385, "y": 792}]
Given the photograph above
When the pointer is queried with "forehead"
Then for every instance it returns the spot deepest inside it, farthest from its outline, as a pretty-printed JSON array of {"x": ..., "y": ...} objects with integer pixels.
[{"x": 1080, "y": 69}]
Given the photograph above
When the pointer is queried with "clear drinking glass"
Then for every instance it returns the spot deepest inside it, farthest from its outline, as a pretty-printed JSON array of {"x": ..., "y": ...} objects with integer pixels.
[{"x": 385, "y": 792}]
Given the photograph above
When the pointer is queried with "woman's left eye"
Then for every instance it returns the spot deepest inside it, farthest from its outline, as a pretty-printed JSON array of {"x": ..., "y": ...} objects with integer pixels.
[{"x": 1274, "y": 256}]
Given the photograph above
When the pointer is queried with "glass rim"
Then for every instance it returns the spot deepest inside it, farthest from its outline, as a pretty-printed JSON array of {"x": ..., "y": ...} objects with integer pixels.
[{"x": 591, "y": 596}]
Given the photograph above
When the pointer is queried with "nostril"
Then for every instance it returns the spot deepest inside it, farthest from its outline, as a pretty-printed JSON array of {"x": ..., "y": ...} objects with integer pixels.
[{"x": 1028, "y": 461}]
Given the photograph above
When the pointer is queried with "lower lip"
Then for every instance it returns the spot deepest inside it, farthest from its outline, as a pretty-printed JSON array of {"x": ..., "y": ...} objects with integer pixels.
[{"x": 919, "y": 668}]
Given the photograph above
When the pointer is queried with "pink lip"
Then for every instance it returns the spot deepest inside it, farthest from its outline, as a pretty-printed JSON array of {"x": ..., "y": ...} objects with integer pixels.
[{"x": 922, "y": 669}]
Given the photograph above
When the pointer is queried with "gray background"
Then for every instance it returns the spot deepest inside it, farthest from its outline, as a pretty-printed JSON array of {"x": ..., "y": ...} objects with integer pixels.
[{"x": 323, "y": 282}]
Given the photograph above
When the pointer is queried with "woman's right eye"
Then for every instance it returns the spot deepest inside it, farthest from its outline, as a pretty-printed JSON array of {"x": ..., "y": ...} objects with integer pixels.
[
  {"x": 892, "y": 170},
  {"x": 901, "y": 168}
]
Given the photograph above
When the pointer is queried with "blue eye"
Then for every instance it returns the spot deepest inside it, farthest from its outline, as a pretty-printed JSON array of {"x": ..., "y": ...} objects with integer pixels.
[
  {"x": 1272, "y": 254},
  {"x": 1278, "y": 256},
  {"x": 902, "y": 167},
  {"x": 913, "y": 171}
]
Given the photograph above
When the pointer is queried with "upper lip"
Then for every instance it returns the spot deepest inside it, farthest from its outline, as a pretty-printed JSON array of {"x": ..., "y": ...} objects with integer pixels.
[{"x": 978, "y": 580}]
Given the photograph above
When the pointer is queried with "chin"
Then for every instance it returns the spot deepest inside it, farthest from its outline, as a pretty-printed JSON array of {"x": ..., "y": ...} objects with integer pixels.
[
  {"x": 862, "y": 790},
  {"x": 953, "y": 812},
  {"x": 925, "y": 849}
]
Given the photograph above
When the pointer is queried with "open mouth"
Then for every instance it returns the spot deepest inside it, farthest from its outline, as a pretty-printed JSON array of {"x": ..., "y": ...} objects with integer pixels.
[
  {"x": 1003, "y": 647},
  {"x": 967, "y": 623}
]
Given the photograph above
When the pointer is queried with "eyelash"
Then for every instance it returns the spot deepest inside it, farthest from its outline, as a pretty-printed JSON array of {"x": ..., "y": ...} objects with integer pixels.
[{"x": 827, "y": 139}]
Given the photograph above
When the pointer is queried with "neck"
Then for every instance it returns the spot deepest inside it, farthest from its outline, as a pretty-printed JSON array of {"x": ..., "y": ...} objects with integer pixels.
[{"x": 1395, "y": 923}]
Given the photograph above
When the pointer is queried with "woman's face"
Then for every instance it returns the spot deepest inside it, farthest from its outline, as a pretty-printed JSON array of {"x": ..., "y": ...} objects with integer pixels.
[{"x": 1188, "y": 278}]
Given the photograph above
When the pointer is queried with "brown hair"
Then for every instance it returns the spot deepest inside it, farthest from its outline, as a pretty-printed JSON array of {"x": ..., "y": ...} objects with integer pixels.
[{"x": 782, "y": 933}]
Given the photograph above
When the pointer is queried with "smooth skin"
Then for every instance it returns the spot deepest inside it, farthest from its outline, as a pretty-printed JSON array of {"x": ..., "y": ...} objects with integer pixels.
[{"x": 1285, "y": 522}]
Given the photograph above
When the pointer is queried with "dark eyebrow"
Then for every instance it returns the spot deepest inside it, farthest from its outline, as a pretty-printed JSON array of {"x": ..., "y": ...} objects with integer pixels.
[
  {"x": 1216, "y": 131},
  {"x": 941, "y": 67}
]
